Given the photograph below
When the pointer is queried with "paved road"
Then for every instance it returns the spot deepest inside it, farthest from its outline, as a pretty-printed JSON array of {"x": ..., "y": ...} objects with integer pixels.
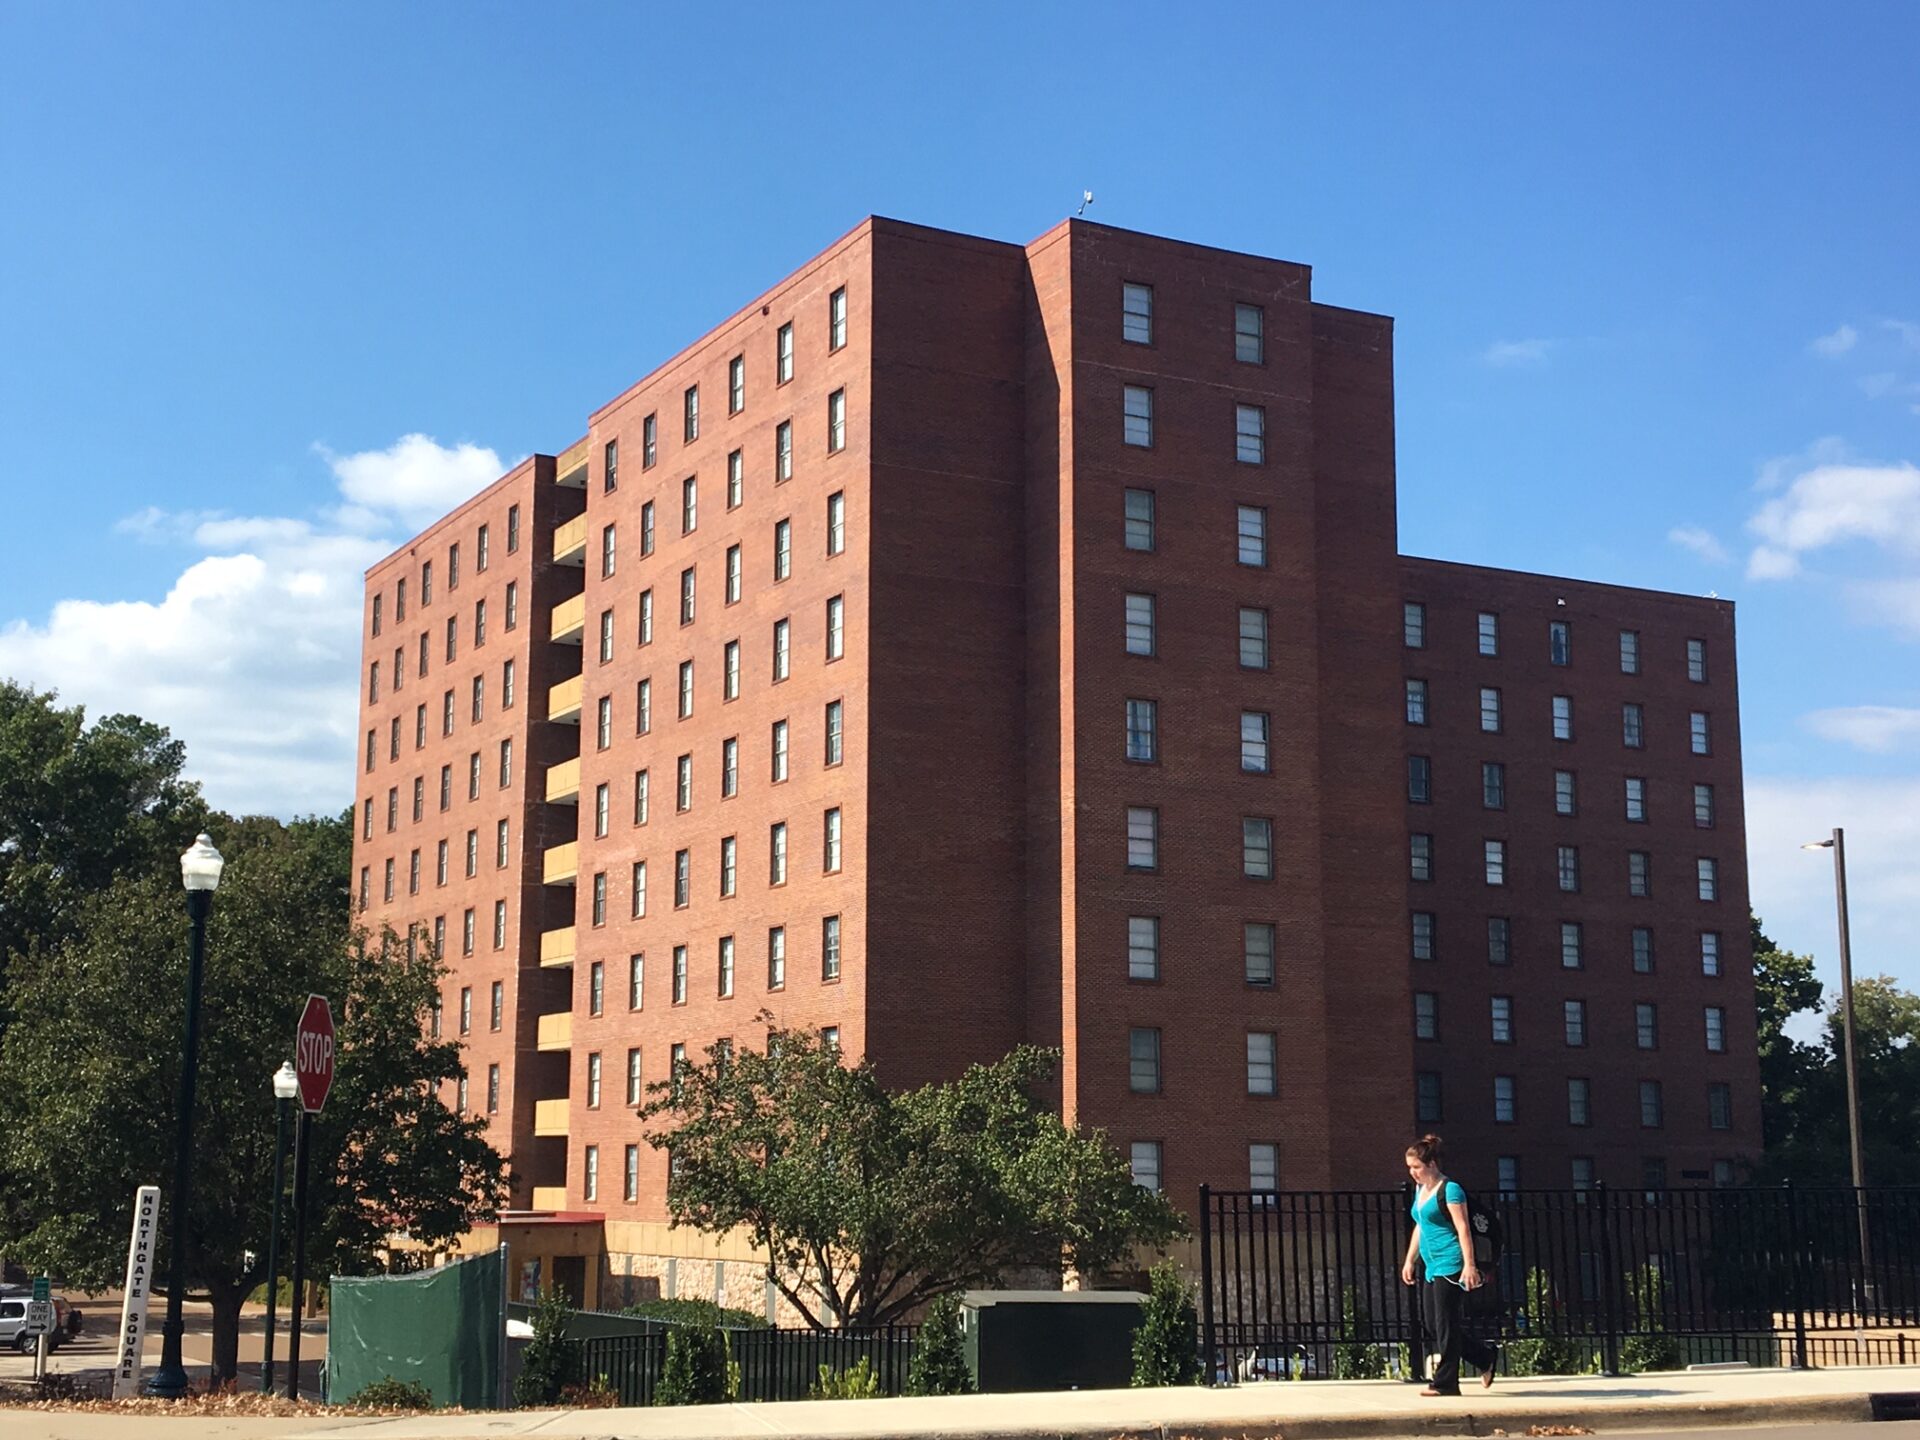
[{"x": 90, "y": 1354}]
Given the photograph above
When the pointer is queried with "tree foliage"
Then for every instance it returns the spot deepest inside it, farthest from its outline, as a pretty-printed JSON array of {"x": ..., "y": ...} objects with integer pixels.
[
  {"x": 871, "y": 1202},
  {"x": 939, "y": 1364},
  {"x": 90, "y": 1069},
  {"x": 698, "y": 1368},
  {"x": 550, "y": 1361},
  {"x": 1166, "y": 1347}
]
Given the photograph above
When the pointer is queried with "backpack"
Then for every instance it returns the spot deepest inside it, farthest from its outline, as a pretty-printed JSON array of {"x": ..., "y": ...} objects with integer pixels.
[{"x": 1489, "y": 1237}]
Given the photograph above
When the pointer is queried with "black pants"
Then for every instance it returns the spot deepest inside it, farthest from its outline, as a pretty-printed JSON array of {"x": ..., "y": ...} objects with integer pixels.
[{"x": 1444, "y": 1304}]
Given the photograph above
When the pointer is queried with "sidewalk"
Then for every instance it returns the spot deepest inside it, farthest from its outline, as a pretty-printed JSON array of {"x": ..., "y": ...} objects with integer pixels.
[{"x": 1308, "y": 1410}]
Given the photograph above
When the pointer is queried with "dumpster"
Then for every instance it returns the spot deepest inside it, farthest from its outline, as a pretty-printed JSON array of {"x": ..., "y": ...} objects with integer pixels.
[{"x": 1049, "y": 1339}]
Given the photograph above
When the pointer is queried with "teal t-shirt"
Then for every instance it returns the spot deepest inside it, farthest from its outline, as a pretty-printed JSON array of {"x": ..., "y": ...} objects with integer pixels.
[{"x": 1439, "y": 1242}]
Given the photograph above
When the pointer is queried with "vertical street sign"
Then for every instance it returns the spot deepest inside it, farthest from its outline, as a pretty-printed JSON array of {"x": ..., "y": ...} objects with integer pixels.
[
  {"x": 313, "y": 1053},
  {"x": 133, "y": 1310}
]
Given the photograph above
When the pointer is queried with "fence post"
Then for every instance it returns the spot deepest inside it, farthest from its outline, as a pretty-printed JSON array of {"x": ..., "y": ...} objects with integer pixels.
[
  {"x": 1799, "y": 1290},
  {"x": 1609, "y": 1313},
  {"x": 1206, "y": 1283}
]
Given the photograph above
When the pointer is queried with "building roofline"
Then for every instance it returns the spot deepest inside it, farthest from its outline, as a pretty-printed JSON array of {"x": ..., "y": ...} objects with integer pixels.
[
  {"x": 413, "y": 541},
  {"x": 1463, "y": 566}
]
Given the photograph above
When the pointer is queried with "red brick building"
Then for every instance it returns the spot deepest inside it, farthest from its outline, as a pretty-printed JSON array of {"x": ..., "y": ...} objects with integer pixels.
[{"x": 968, "y": 643}]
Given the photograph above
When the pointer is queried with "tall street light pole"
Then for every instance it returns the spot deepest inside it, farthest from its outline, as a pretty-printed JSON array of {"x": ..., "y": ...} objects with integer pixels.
[
  {"x": 285, "y": 1086},
  {"x": 1837, "y": 843},
  {"x": 200, "y": 872}
]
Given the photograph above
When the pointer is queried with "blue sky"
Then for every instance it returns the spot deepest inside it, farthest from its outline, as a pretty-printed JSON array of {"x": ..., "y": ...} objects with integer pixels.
[{"x": 1653, "y": 269}]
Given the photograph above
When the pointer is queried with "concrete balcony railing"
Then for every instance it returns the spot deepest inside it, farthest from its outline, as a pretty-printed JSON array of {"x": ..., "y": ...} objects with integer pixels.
[
  {"x": 561, "y": 864},
  {"x": 570, "y": 621},
  {"x": 570, "y": 542},
  {"x": 556, "y": 1031},
  {"x": 550, "y": 1117},
  {"x": 570, "y": 466},
  {"x": 556, "y": 947},
  {"x": 549, "y": 1197},
  {"x": 563, "y": 782},
  {"x": 563, "y": 701}
]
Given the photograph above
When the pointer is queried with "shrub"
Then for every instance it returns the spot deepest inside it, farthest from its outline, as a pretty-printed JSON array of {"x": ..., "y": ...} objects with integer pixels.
[
  {"x": 1543, "y": 1351},
  {"x": 857, "y": 1382},
  {"x": 1166, "y": 1347},
  {"x": 1356, "y": 1357},
  {"x": 698, "y": 1369},
  {"x": 1652, "y": 1348},
  {"x": 939, "y": 1365},
  {"x": 697, "y": 1312},
  {"x": 596, "y": 1394},
  {"x": 551, "y": 1360},
  {"x": 392, "y": 1394}
]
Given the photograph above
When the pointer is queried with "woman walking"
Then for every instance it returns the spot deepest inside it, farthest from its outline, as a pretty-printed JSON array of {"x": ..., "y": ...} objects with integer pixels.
[{"x": 1442, "y": 1241}]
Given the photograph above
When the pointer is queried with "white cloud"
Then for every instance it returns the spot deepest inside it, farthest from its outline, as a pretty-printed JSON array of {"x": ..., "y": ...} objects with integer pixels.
[
  {"x": 1766, "y": 563},
  {"x": 1837, "y": 343},
  {"x": 1518, "y": 352},
  {"x": 253, "y": 655},
  {"x": 1792, "y": 889},
  {"x": 1700, "y": 541},
  {"x": 1906, "y": 330},
  {"x": 1888, "y": 602},
  {"x": 1879, "y": 729},
  {"x": 1836, "y": 501}
]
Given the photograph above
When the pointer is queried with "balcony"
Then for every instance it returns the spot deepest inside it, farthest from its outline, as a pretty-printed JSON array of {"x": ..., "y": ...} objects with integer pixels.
[
  {"x": 550, "y": 1117},
  {"x": 563, "y": 782},
  {"x": 561, "y": 864},
  {"x": 570, "y": 467},
  {"x": 556, "y": 948},
  {"x": 570, "y": 542},
  {"x": 563, "y": 702},
  {"x": 570, "y": 620},
  {"x": 556, "y": 1031},
  {"x": 549, "y": 1197}
]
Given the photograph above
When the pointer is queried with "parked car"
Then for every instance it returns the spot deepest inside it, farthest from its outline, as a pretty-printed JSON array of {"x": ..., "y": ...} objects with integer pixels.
[{"x": 13, "y": 1320}]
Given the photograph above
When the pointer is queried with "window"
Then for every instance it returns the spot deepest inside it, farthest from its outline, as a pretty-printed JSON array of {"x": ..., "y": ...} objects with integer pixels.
[
  {"x": 729, "y": 871},
  {"x": 1253, "y": 639},
  {"x": 601, "y": 809},
  {"x": 777, "y": 958},
  {"x": 1493, "y": 785},
  {"x": 1574, "y": 1019},
  {"x": 831, "y": 857},
  {"x": 682, "y": 878},
  {"x": 1143, "y": 947},
  {"x": 507, "y": 689},
  {"x": 1579, "y": 1100},
  {"x": 736, "y": 384},
  {"x": 837, "y": 319},
  {"x": 1500, "y": 1019},
  {"x": 1142, "y": 728},
  {"x": 1489, "y": 710},
  {"x": 1139, "y": 520},
  {"x": 400, "y": 586},
  {"x": 493, "y": 1089},
  {"x": 1719, "y": 1106},
  {"x": 638, "y": 885},
  {"x": 593, "y": 1081},
  {"x": 1507, "y": 1169},
  {"x": 777, "y": 853},
  {"x": 779, "y": 751},
  {"x": 782, "y": 630},
  {"x": 1252, "y": 525},
  {"x": 836, "y": 422},
  {"x": 630, "y": 1182},
  {"x": 1263, "y": 1168},
  {"x": 1563, "y": 717},
  {"x": 1257, "y": 946},
  {"x": 387, "y": 893},
  {"x": 1699, "y": 738},
  {"x": 1413, "y": 625},
  {"x": 479, "y": 700},
  {"x": 453, "y": 566},
  {"x": 1639, "y": 874},
  {"x": 783, "y": 451},
  {"x": 1427, "y": 1109},
  {"x": 1646, "y": 1026},
  {"x": 643, "y": 707},
  {"x": 373, "y": 682},
  {"x": 686, "y": 689},
  {"x": 608, "y": 555},
  {"x": 834, "y": 733},
  {"x": 679, "y": 977},
  {"x": 420, "y": 727},
  {"x": 1636, "y": 799},
  {"x": 1642, "y": 942},
  {"x": 446, "y": 787},
  {"x": 1143, "y": 1160},
  {"x": 473, "y": 776},
  {"x": 606, "y": 636},
  {"x": 453, "y": 636},
  {"x": 1703, "y": 806},
  {"x": 1419, "y": 779},
  {"x": 1137, "y": 415},
  {"x": 1136, "y": 314},
  {"x": 600, "y": 898},
  {"x": 1566, "y": 797},
  {"x": 636, "y": 999},
  {"x": 1489, "y": 631},
  {"x": 1559, "y": 643},
  {"x": 1250, "y": 434},
  {"x": 1572, "y": 955},
  {"x": 1716, "y": 1026},
  {"x": 1629, "y": 652},
  {"x": 726, "y": 967},
  {"x": 1254, "y": 729},
  {"x": 1420, "y": 857},
  {"x": 603, "y": 722},
  {"x": 1143, "y": 1061},
  {"x": 1261, "y": 1063},
  {"x": 1426, "y": 1015},
  {"x": 1143, "y": 838},
  {"x": 1423, "y": 927},
  {"x": 440, "y": 863},
  {"x": 1140, "y": 627},
  {"x": 1256, "y": 848},
  {"x": 1708, "y": 873},
  {"x": 736, "y": 479},
  {"x": 646, "y": 528},
  {"x": 729, "y": 767},
  {"x": 1651, "y": 1109},
  {"x": 642, "y": 797},
  {"x": 836, "y": 522},
  {"x": 466, "y": 1009},
  {"x": 683, "y": 784},
  {"x": 1503, "y": 1099},
  {"x": 1632, "y": 726},
  {"x": 689, "y": 505},
  {"x": 1697, "y": 661},
  {"x": 836, "y": 627},
  {"x": 730, "y": 671},
  {"x": 830, "y": 948},
  {"x": 426, "y": 582},
  {"x": 376, "y": 613},
  {"x": 1709, "y": 952},
  {"x": 1495, "y": 852},
  {"x": 1499, "y": 940},
  {"x": 690, "y": 414},
  {"x": 1249, "y": 334},
  {"x": 1567, "y": 867}
]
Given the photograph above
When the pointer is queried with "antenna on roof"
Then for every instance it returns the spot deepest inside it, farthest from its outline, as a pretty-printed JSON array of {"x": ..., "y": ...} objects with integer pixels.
[{"x": 1086, "y": 199}]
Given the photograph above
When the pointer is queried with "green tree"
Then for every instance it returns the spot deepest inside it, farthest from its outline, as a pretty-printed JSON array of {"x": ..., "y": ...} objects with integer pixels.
[
  {"x": 939, "y": 1365},
  {"x": 698, "y": 1368},
  {"x": 1794, "y": 1085},
  {"x": 550, "y": 1361},
  {"x": 91, "y": 1065},
  {"x": 1166, "y": 1347},
  {"x": 1356, "y": 1357},
  {"x": 1544, "y": 1348},
  {"x": 870, "y": 1202}
]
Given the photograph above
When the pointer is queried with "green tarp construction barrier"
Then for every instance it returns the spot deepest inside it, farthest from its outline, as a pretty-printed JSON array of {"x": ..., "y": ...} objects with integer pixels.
[{"x": 444, "y": 1329}]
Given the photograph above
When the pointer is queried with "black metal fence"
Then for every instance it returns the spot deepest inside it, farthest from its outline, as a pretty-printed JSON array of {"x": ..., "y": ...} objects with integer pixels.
[
  {"x": 1308, "y": 1283},
  {"x": 773, "y": 1364}
]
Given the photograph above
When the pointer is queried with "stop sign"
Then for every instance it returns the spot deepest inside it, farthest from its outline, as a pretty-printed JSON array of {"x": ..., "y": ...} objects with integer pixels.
[{"x": 313, "y": 1053}]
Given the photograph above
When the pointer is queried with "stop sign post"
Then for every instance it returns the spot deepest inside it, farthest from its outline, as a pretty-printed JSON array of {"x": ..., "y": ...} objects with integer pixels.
[{"x": 313, "y": 1066}]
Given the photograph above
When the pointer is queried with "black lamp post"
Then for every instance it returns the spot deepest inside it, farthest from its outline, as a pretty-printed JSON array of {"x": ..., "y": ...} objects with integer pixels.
[
  {"x": 285, "y": 1086},
  {"x": 200, "y": 871},
  {"x": 1837, "y": 842}
]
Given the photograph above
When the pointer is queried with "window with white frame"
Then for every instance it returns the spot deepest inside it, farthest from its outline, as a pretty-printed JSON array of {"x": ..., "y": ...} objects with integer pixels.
[
  {"x": 836, "y": 627},
  {"x": 830, "y": 948},
  {"x": 1709, "y": 952},
  {"x": 1636, "y": 799},
  {"x": 1143, "y": 1161},
  {"x": 836, "y": 522},
  {"x": 1703, "y": 806},
  {"x": 1249, "y": 334},
  {"x": 1143, "y": 947},
  {"x": 783, "y": 354},
  {"x": 1495, "y": 856},
  {"x": 1253, "y": 638},
  {"x": 1629, "y": 652},
  {"x": 1262, "y": 1063},
  {"x": 782, "y": 630},
  {"x": 1559, "y": 643},
  {"x": 783, "y": 451},
  {"x": 1563, "y": 717},
  {"x": 1567, "y": 867},
  {"x": 1252, "y": 534},
  {"x": 736, "y": 478},
  {"x": 1143, "y": 731},
  {"x": 836, "y": 422},
  {"x": 1139, "y": 529},
  {"x": 777, "y": 958},
  {"x": 736, "y": 384},
  {"x": 1420, "y": 857},
  {"x": 1426, "y": 1015},
  {"x": 734, "y": 568},
  {"x": 1489, "y": 633},
  {"x": 777, "y": 853},
  {"x": 1143, "y": 1061},
  {"x": 1639, "y": 874},
  {"x": 1256, "y": 847},
  {"x": 1573, "y": 1017},
  {"x": 1566, "y": 795},
  {"x": 1136, "y": 313},
  {"x": 1716, "y": 1028},
  {"x": 1646, "y": 1026},
  {"x": 1422, "y": 944},
  {"x": 729, "y": 866},
  {"x": 1250, "y": 434},
  {"x": 1572, "y": 946},
  {"x": 1143, "y": 838},
  {"x": 1505, "y": 1105},
  {"x": 1697, "y": 661},
  {"x": 730, "y": 671},
  {"x": 1500, "y": 1019},
  {"x": 1699, "y": 735},
  {"x": 1140, "y": 626},
  {"x": 1255, "y": 756},
  {"x": 1257, "y": 946},
  {"x": 779, "y": 751},
  {"x": 1263, "y": 1169},
  {"x": 1579, "y": 1100},
  {"x": 1493, "y": 785},
  {"x": 837, "y": 319},
  {"x": 1708, "y": 874},
  {"x": 1642, "y": 950},
  {"x": 1413, "y": 625},
  {"x": 1489, "y": 710},
  {"x": 1137, "y": 415},
  {"x": 689, "y": 505}
]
